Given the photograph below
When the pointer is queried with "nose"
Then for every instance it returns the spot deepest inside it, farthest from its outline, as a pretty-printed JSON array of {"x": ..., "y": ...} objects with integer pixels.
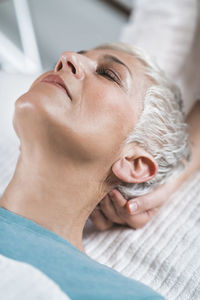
[{"x": 76, "y": 63}]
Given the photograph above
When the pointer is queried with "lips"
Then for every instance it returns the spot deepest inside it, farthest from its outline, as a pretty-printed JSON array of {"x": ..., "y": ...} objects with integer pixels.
[{"x": 57, "y": 81}]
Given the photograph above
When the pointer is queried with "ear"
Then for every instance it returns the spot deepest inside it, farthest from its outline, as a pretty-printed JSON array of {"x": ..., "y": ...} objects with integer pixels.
[{"x": 138, "y": 168}]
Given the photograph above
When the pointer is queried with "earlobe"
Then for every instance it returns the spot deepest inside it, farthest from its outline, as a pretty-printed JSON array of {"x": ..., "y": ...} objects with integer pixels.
[{"x": 135, "y": 169}]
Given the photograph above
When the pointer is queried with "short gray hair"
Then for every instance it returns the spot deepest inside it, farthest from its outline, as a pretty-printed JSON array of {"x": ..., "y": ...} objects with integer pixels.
[{"x": 161, "y": 129}]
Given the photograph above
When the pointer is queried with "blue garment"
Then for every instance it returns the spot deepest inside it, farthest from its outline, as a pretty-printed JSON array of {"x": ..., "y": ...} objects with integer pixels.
[{"x": 77, "y": 275}]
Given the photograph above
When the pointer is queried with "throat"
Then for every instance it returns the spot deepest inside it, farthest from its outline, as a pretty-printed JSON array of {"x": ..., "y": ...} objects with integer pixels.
[{"x": 51, "y": 200}]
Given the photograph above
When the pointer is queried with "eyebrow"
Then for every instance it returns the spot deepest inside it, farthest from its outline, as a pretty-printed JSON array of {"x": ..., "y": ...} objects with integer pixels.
[
  {"x": 118, "y": 61},
  {"x": 112, "y": 59},
  {"x": 81, "y": 52}
]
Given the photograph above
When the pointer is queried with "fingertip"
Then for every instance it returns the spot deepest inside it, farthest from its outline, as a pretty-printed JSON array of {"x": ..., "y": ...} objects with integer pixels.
[
  {"x": 114, "y": 192},
  {"x": 117, "y": 197},
  {"x": 132, "y": 207}
]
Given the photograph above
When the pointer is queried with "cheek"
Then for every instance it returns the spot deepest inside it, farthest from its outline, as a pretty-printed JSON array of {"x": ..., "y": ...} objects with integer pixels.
[
  {"x": 106, "y": 119},
  {"x": 109, "y": 110}
]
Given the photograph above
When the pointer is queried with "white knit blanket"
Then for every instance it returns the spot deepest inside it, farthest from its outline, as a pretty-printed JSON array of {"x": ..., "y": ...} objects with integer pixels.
[{"x": 165, "y": 254}]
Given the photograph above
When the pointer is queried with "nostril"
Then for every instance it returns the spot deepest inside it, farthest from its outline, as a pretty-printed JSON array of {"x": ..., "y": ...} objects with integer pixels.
[
  {"x": 72, "y": 67},
  {"x": 59, "y": 66}
]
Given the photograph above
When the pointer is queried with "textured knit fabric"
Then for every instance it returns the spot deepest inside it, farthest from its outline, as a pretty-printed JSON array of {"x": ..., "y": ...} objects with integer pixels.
[
  {"x": 165, "y": 254},
  {"x": 76, "y": 274}
]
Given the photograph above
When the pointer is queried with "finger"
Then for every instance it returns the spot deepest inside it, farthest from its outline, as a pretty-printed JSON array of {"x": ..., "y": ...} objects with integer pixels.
[
  {"x": 140, "y": 220},
  {"x": 119, "y": 203},
  {"x": 117, "y": 198},
  {"x": 109, "y": 211},
  {"x": 144, "y": 203},
  {"x": 99, "y": 220}
]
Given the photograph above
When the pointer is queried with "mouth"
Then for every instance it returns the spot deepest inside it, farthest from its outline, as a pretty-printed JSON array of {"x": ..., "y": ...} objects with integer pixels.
[{"x": 57, "y": 81}]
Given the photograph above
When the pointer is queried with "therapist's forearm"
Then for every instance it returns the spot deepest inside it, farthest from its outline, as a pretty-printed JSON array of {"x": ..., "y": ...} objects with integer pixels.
[{"x": 193, "y": 121}]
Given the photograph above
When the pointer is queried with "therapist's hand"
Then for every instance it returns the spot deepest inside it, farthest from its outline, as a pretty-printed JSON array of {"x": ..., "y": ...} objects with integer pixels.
[{"x": 135, "y": 213}]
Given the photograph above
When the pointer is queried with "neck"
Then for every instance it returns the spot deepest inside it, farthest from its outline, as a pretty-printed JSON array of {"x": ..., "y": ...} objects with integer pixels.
[{"x": 57, "y": 196}]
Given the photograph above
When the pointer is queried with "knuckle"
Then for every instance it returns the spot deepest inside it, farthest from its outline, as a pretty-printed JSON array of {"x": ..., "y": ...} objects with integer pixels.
[
  {"x": 145, "y": 204},
  {"x": 140, "y": 224},
  {"x": 141, "y": 204}
]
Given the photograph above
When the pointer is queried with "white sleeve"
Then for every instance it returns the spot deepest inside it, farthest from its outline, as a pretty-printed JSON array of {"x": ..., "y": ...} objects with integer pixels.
[
  {"x": 22, "y": 281},
  {"x": 170, "y": 32}
]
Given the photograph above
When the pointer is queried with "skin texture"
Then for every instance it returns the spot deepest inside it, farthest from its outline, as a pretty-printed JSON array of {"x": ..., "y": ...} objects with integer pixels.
[
  {"x": 69, "y": 145},
  {"x": 136, "y": 213}
]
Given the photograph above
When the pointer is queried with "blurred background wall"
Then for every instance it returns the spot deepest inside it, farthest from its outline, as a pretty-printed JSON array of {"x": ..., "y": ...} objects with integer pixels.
[{"x": 61, "y": 25}]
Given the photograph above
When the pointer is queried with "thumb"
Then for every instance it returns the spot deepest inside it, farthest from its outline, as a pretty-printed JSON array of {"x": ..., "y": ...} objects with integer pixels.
[{"x": 147, "y": 202}]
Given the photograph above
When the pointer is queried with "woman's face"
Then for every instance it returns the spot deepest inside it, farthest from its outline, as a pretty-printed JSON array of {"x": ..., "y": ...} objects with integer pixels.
[{"x": 92, "y": 118}]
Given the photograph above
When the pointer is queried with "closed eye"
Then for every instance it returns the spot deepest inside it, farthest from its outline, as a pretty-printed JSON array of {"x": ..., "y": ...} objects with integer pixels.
[{"x": 109, "y": 74}]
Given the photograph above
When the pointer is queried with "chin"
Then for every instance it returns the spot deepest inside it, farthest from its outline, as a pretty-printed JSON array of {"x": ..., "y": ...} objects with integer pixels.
[
  {"x": 29, "y": 115},
  {"x": 36, "y": 120}
]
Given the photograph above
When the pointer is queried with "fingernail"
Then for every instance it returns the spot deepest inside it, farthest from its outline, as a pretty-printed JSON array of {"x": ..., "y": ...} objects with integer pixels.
[{"x": 133, "y": 207}]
